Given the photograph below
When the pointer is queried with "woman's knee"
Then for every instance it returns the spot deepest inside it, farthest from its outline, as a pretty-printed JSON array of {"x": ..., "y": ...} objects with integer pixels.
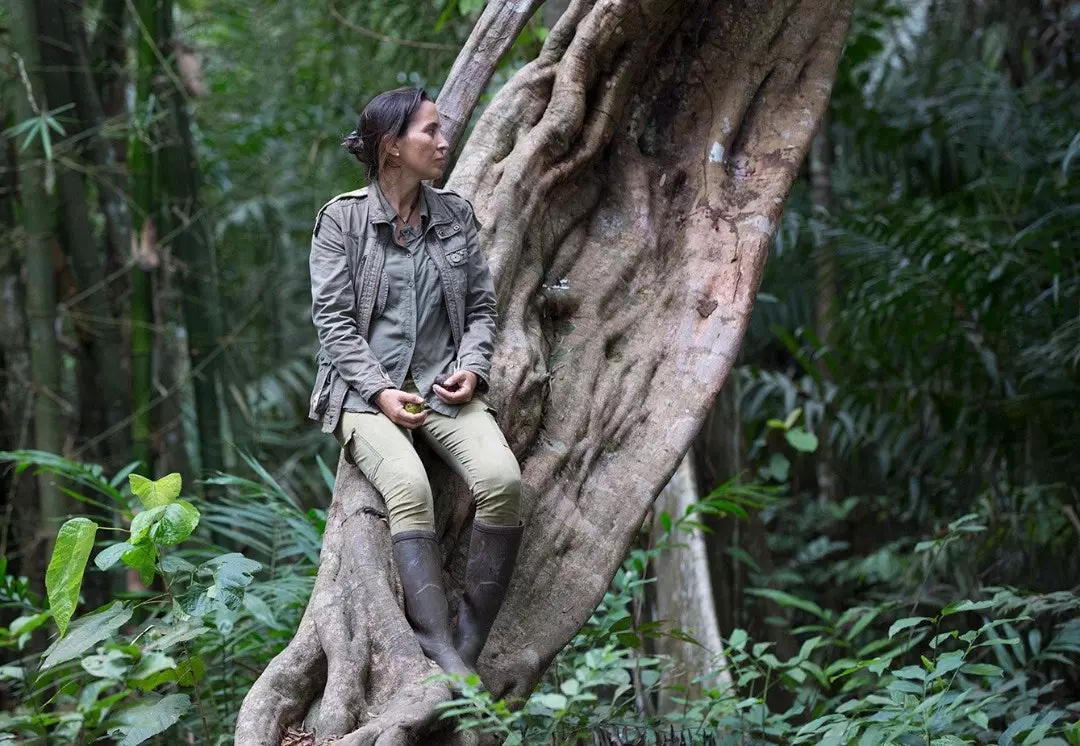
[
  {"x": 408, "y": 499},
  {"x": 498, "y": 496}
]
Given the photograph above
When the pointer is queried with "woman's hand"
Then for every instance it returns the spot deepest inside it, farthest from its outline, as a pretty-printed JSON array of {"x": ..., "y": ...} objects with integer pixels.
[
  {"x": 457, "y": 388},
  {"x": 392, "y": 403}
]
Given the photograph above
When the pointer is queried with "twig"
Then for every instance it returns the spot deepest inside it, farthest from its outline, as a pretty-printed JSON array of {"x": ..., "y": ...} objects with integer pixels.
[{"x": 390, "y": 39}]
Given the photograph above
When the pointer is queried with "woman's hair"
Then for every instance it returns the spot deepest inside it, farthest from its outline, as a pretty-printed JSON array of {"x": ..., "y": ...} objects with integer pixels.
[{"x": 388, "y": 114}]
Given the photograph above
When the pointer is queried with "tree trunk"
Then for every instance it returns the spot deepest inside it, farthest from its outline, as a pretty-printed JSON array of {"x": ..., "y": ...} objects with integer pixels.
[
  {"x": 18, "y": 511},
  {"x": 826, "y": 294},
  {"x": 683, "y": 596},
  {"x": 738, "y": 547},
  {"x": 39, "y": 240},
  {"x": 197, "y": 275},
  {"x": 142, "y": 163},
  {"x": 102, "y": 392},
  {"x": 629, "y": 182}
]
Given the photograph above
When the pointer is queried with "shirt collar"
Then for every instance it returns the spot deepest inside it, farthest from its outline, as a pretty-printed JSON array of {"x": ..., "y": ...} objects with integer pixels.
[{"x": 386, "y": 212}]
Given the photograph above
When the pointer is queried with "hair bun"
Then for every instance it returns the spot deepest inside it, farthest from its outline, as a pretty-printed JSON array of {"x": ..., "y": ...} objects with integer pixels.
[{"x": 353, "y": 143}]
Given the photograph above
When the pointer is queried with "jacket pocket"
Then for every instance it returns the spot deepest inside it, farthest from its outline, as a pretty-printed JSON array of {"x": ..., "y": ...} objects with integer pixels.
[{"x": 382, "y": 295}]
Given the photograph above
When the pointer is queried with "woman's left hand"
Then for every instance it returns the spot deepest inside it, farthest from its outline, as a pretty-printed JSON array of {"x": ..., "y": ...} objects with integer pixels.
[{"x": 457, "y": 388}]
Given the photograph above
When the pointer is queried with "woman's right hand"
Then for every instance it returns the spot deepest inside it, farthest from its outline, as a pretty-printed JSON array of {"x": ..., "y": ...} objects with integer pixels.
[{"x": 392, "y": 403}]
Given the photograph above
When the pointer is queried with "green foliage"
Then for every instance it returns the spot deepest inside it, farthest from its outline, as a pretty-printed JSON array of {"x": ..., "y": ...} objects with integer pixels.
[
  {"x": 202, "y": 610},
  {"x": 922, "y": 680},
  {"x": 64, "y": 576}
]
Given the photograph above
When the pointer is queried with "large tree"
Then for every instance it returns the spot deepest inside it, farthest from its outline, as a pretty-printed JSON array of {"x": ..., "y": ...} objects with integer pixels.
[{"x": 629, "y": 181}]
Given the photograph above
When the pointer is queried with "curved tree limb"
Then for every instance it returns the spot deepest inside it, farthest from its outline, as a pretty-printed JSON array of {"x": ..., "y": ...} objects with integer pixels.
[{"x": 491, "y": 38}]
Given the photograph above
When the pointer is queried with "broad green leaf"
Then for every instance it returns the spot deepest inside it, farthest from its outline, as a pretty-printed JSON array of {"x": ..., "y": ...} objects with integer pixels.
[
  {"x": 141, "y": 558},
  {"x": 916, "y": 673},
  {"x": 22, "y": 627},
  {"x": 173, "y": 564},
  {"x": 907, "y": 623},
  {"x": 190, "y": 671},
  {"x": 146, "y": 720},
  {"x": 154, "y": 494},
  {"x": 63, "y": 579},
  {"x": 85, "y": 633},
  {"x": 948, "y": 663},
  {"x": 112, "y": 664},
  {"x": 151, "y": 663},
  {"x": 110, "y": 555},
  {"x": 163, "y": 638},
  {"x": 143, "y": 522},
  {"x": 552, "y": 701},
  {"x": 801, "y": 440},
  {"x": 176, "y": 523},
  {"x": 981, "y": 669},
  {"x": 166, "y": 525},
  {"x": 231, "y": 574},
  {"x": 738, "y": 639},
  {"x": 779, "y": 467},
  {"x": 148, "y": 673}
]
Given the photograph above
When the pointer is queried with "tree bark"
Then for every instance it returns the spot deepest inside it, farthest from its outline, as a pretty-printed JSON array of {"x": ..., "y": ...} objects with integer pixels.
[
  {"x": 102, "y": 391},
  {"x": 629, "y": 182},
  {"x": 683, "y": 596},
  {"x": 19, "y": 522},
  {"x": 197, "y": 275},
  {"x": 826, "y": 295},
  {"x": 738, "y": 548},
  {"x": 142, "y": 162},
  {"x": 38, "y": 223}
]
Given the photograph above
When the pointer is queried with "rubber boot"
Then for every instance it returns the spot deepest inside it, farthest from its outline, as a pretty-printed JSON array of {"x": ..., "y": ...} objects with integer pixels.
[
  {"x": 416, "y": 554},
  {"x": 492, "y": 553}
]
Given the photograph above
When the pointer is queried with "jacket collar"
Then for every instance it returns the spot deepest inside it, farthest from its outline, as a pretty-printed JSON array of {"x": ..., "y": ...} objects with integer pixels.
[{"x": 432, "y": 206}]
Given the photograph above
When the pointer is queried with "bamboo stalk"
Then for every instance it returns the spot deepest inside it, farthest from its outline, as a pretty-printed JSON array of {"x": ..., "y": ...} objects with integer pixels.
[
  {"x": 38, "y": 221},
  {"x": 141, "y": 164}
]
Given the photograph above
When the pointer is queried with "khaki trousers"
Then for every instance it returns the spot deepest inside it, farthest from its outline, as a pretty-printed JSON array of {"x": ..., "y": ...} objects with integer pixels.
[{"x": 471, "y": 443}]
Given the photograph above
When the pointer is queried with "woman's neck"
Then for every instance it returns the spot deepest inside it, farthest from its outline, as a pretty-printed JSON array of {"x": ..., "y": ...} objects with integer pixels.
[{"x": 402, "y": 194}]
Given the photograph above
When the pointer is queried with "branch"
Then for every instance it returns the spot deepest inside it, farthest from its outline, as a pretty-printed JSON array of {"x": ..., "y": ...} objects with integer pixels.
[
  {"x": 390, "y": 39},
  {"x": 490, "y": 39}
]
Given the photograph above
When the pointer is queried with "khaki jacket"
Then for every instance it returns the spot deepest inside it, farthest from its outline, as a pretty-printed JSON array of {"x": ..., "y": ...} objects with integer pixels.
[{"x": 348, "y": 249}]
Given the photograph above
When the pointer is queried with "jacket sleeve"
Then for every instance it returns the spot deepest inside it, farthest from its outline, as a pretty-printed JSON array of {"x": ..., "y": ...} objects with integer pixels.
[
  {"x": 333, "y": 309},
  {"x": 481, "y": 311}
]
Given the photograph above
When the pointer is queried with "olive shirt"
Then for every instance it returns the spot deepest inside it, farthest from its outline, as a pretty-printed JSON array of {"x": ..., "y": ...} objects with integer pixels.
[{"x": 410, "y": 329}]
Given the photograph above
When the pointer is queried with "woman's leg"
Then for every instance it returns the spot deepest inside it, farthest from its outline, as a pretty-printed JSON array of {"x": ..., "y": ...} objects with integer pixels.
[
  {"x": 385, "y": 454},
  {"x": 477, "y": 450},
  {"x": 474, "y": 446}
]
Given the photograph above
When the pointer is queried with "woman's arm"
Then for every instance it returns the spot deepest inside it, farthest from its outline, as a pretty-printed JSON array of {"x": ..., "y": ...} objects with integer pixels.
[{"x": 333, "y": 309}]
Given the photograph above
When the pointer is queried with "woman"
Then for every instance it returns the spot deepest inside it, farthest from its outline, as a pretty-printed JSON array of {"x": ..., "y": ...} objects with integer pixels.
[{"x": 405, "y": 309}]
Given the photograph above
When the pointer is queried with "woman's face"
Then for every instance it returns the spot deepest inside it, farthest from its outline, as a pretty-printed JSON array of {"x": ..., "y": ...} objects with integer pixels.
[{"x": 422, "y": 150}]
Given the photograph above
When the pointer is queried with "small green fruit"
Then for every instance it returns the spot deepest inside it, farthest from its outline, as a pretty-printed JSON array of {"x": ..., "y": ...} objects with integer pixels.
[{"x": 415, "y": 408}]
